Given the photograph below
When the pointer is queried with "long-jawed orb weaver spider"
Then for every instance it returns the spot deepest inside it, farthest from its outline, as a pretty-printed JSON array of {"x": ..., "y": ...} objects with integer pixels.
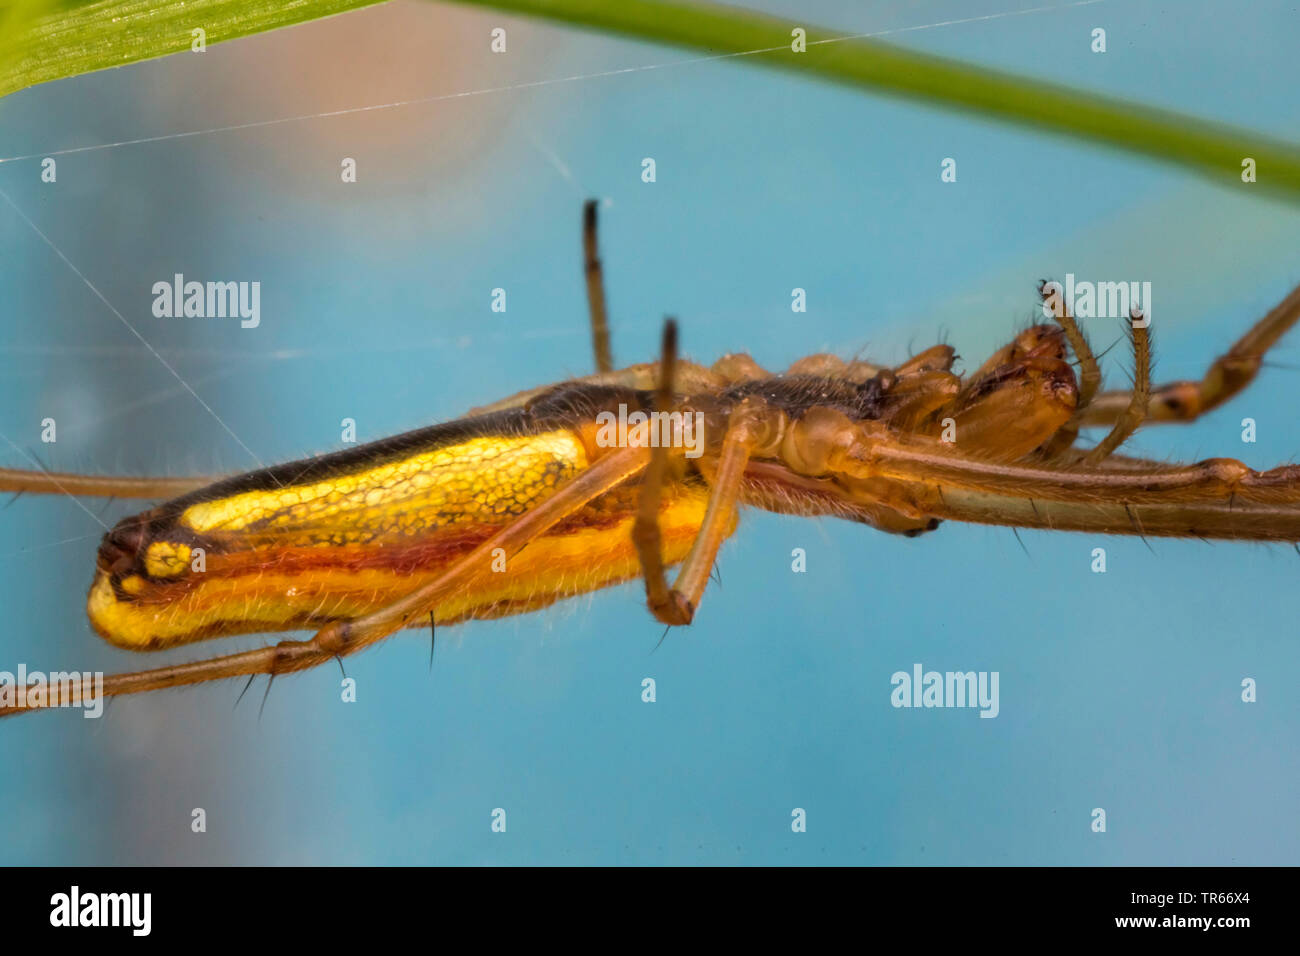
[{"x": 528, "y": 501}]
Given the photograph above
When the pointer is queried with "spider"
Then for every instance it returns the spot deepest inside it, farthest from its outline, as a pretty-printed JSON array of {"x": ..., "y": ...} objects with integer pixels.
[{"x": 528, "y": 501}]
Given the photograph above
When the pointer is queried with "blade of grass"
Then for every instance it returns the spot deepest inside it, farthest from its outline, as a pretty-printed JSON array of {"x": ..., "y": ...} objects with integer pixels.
[
  {"x": 43, "y": 40},
  {"x": 1212, "y": 149},
  {"x": 38, "y": 44}
]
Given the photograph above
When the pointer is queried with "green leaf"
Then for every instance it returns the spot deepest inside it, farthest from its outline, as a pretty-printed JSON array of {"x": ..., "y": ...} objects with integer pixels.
[{"x": 42, "y": 40}]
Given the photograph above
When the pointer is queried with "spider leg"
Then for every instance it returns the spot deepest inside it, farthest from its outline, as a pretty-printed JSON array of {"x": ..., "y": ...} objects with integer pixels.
[
  {"x": 645, "y": 530},
  {"x": 600, "y": 343},
  {"x": 1228, "y": 519},
  {"x": 1229, "y": 374},
  {"x": 97, "y": 486},
  {"x": 719, "y": 519},
  {"x": 1139, "y": 398},
  {"x": 643, "y": 376},
  {"x": 1089, "y": 370},
  {"x": 1215, "y": 498},
  {"x": 676, "y": 605}
]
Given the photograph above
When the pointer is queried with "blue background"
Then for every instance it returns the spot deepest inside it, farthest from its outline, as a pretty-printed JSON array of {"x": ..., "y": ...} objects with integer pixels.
[{"x": 1118, "y": 690}]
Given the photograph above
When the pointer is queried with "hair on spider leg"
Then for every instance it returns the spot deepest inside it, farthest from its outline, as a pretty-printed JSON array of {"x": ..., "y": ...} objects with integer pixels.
[
  {"x": 1264, "y": 363},
  {"x": 244, "y": 691},
  {"x": 661, "y": 639},
  {"x": 1137, "y": 527},
  {"x": 1019, "y": 541},
  {"x": 265, "y": 694}
]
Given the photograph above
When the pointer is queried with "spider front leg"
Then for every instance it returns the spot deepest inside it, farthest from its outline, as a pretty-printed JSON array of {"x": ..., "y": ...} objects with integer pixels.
[
  {"x": 1229, "y": 374},
  {"x": 1215, "y": 498},
  {"x": 1089, "y": 370},
  {"x": 1139, "y": 398}
]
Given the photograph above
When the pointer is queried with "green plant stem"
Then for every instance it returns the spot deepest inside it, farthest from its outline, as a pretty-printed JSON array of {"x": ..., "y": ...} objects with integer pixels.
[
  {"x": 1213, "y": 149},
  {"x": 40, "y": 42}
]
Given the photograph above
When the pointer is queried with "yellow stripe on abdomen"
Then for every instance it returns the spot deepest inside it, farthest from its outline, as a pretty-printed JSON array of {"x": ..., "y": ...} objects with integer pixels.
[{"x": 488, "y": 479}]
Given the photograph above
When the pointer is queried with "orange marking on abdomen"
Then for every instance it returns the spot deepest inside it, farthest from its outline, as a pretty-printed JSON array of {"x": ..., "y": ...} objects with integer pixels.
[{"x": 265, "y": 589}]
